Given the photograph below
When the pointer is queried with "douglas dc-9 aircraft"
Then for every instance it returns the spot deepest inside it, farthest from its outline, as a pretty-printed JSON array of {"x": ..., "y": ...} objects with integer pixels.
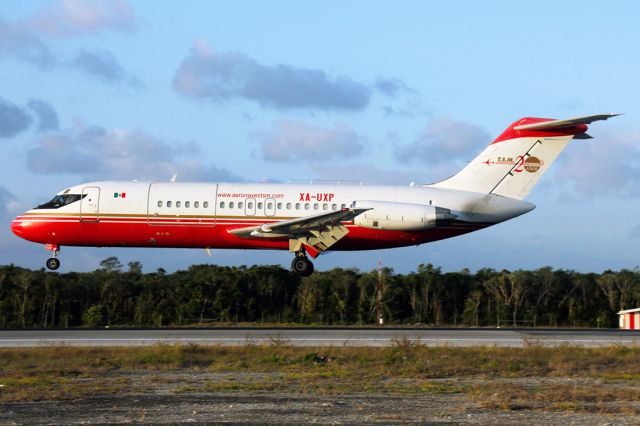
[{"x": 305, "y": 219}]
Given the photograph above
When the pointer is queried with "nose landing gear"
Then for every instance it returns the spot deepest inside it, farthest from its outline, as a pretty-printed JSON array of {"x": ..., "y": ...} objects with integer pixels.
[
  {"x": 53, "y": 262},
  {"x": 301, "y": 265}
]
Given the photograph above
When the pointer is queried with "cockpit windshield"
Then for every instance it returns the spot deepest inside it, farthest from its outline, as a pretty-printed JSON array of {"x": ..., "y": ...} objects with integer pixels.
[{"x": 61, "y": 200}]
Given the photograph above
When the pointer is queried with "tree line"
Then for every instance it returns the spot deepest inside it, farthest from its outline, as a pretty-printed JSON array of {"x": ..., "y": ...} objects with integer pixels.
[{"x": 117, "y": 296}]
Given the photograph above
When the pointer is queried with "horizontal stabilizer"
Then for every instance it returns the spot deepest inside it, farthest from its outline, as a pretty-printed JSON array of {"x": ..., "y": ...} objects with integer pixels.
[{"x": 565, "y": 124}]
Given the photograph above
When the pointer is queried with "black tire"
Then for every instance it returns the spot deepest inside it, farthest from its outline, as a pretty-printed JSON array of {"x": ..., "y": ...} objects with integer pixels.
[
  {"x": 302, "y": 266},
  {"x": 53, "y": 263}
]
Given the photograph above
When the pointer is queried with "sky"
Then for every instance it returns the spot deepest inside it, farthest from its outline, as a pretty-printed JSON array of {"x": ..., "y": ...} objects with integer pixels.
[{"x": 381, "y": 92}]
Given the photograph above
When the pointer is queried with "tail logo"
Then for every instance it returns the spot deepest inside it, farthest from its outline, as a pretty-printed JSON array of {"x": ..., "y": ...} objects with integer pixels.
[{"x": 533, "y": 164}]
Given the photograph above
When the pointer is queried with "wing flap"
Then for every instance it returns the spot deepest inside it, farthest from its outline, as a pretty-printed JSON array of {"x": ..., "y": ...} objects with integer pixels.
[
  {"x": 313, "y": 234},
  {"x": 299, "y": 226}
]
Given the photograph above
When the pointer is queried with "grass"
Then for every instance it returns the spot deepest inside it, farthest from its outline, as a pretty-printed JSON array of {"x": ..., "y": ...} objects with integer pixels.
[{"x": 533, "y": 378}]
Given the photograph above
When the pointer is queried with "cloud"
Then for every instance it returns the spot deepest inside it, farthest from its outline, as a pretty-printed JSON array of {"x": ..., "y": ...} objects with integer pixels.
[
  {"x": 607, "y": 165},
  {"x": 96, "y": 153},
  {"x": 24, "y": 39},
  {"x": 445, "y": 145},
  {"x": 292, "y": 141},
  {"x": 392, "y": 87},
  {"x": 19, "y": 42},
  {"x": 103, "y": 65},
  {"x": 223, "y": 76},
  {"x": 47, "y": 116},
  {"x": 370, "y": 175},
  {"x": 6, "y": 200},
  {"x": 13, "y": 119},
  {"x": 67, "y": 18}
]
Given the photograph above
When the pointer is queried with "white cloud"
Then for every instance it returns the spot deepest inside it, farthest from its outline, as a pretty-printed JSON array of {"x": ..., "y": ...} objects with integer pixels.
[
  {"x": 221, "y": 76},
  {"x": 293, "y": 141},
  {"x": 607, "y": 165},
  {"x": 25, "y": 39},
  {"x": 444, "y": 139},
  {"x": 444, "y": 145},
  {"x": 369, "y": 175},
  {"x": 96, "y": 153},
  {"x": 69, "y": 18}
]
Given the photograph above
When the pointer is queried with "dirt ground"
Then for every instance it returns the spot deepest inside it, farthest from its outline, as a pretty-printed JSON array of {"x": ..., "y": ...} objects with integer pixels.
[
  {"x": 280, "y": 384},
  {"x": 172, "y": 397}
]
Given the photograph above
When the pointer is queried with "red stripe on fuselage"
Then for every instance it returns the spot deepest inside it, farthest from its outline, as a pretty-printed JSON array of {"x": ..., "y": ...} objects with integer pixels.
[{"x": 166, "y": 232}]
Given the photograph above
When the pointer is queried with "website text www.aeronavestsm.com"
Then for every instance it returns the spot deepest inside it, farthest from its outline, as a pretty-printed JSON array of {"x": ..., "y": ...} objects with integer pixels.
[{"x": 247, "y": 195}]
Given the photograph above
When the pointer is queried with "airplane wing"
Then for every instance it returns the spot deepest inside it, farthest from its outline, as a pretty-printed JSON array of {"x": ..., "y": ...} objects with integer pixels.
[
  {"x": 563, "y": 124},
  {"x": 315, "y": 233}
]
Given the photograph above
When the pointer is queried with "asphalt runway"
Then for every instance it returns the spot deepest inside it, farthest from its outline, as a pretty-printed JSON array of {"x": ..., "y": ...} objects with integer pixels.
[{"x": 320, "y": 337}]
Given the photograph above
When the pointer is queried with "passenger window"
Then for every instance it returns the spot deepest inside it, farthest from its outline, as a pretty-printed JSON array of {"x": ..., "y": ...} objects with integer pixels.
[
  {"x": 159, "y": 203},
  {"x": 249, "y": 205},
  {"x": 187, "y": 204},
  {"x": 259, "y": 205},
  {"x": 178, "y": 203},
  {"x": 343, "y": 206},
  {"x": 269, "y": 206},
  {"x": 315, "y": 206},
  {"x": 279, "y": 206},
  {"x": 231, "y": 205},
  {"x": 297, "y": 206},
  {"x": 334, "y": 207},
  {"x": 325, "y": 206},
  {"x": 205, "y": 204},
  {"x": 240, "y": 205},
  {"x": 168, "y": 203},
  {"x": 288, "y": 206},
  {"x": 221, "y": 204},
  {"x": 196, "y": 204},
  {"x": 306, "y": 206}
]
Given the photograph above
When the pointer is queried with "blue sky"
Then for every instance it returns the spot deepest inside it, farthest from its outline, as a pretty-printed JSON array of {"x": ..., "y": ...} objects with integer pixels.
[{"x": 257, "y": 91}]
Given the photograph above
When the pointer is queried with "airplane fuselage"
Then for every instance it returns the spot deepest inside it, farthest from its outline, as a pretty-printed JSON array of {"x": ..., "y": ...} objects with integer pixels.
[{"x": 201, "y": 215}]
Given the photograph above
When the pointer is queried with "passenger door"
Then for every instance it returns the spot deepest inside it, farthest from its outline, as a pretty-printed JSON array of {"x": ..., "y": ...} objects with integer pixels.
[{"x": 90, "y": 204}]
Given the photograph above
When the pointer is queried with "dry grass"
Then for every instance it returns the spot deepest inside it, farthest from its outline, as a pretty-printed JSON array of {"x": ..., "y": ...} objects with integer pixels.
[{"x": 534, "y": 377}]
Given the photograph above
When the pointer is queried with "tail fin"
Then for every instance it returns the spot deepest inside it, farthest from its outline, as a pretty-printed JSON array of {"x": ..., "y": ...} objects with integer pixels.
[{"x": 514, "y": 162}]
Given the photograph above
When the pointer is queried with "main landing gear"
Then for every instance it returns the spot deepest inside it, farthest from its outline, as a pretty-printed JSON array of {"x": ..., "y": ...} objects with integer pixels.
[
  {"x": 301, "y": 265},
  {"x": 53, "y": 262}
]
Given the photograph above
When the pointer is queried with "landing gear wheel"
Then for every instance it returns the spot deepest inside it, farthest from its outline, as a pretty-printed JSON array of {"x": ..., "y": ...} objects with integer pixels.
[
  {"x": 302, "y": 266},
  {"x": 53, "y": 263}
]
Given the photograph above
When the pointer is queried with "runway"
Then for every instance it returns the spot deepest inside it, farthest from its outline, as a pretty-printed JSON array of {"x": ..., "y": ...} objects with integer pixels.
[{"x": 374, "y": 337}]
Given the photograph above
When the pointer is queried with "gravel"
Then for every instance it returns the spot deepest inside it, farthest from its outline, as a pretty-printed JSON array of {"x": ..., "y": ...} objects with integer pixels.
[{"x": 266, "y": 409}]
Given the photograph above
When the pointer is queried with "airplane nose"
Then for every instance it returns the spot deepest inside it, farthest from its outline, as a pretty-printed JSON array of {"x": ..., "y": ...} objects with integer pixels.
[{"x": 16, "y": 227}]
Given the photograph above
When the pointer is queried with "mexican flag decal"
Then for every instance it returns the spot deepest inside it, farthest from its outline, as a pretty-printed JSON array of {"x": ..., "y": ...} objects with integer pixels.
[{"x": 119, "y": 195}]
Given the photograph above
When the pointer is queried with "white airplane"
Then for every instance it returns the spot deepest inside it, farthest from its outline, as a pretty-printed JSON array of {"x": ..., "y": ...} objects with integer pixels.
[{"x": 305, "y": 219}]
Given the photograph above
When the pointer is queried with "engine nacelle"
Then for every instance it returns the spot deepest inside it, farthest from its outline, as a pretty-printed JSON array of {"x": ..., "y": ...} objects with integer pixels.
[{"x": 400, "y": 216}]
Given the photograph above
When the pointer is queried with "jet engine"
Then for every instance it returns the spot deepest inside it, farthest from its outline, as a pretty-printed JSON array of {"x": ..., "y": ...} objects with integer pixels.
[{"x": 392, "y": 216}]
